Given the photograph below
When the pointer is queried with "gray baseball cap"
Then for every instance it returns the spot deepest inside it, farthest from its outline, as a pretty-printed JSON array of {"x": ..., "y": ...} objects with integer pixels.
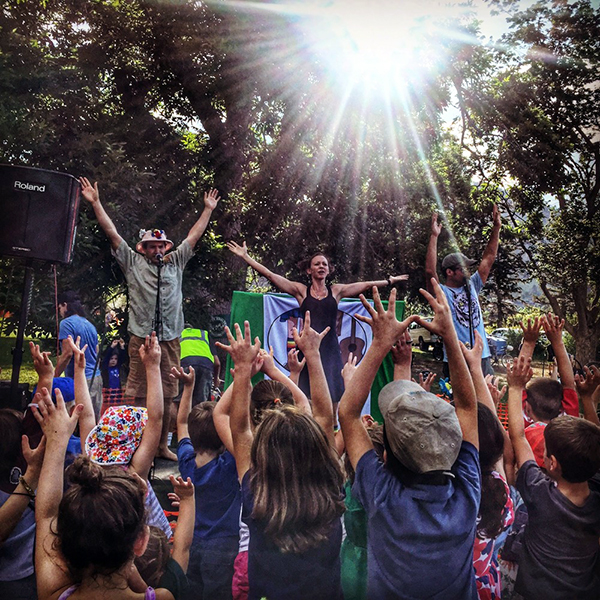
[
  {"x": 457, "y": 259},
  {"x": 422, "y": 430}
]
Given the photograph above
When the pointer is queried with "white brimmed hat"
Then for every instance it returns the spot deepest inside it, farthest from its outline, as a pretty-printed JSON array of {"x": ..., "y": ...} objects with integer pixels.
[{"x": 153, "y": 235}]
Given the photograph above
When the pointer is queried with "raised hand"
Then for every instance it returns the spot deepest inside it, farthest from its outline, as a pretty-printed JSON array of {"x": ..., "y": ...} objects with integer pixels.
[
  {"x": 241, "y": 348},
  {"x": 349, "y": 369},
  {"x": 426, "y": 382},
  {"x": 268, "y": 362},
  {"x": 180, "y": 374},
  {"x": 531, "y": 329},
  {"x": 182, "y": 490},
  {"x": 402, "y": 350},
  {"x": 90, "y": 193},
  {"x": 295, "y": 365},
  {"x": 211, "y": 199},
  {"x": 308, "y": 340},
  {"x": 442, "y": 320},
  {"x": 34, "y": 457},
  {"x": 436, "y": 228},
  {"x": 150, "y": 351},
  {"x": 496, "y": 216},
  {"x": 241, "y": 251},
  {"x": 473, "y": 355},
  {"x": 587, "y": 383},
  {"x": 78, "y": 353},
  {"x": 496, "y": 392},
  {"x": 553, "y": 326},
  {"x": 54, "y": 420},
  {"x": 519, "y": 373},
  {"x": 386, "y": 328},
  {"x": 41, "y": 362}
]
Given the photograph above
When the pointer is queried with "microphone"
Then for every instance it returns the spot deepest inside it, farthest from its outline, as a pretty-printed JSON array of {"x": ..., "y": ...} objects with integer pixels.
[{"x": 159, "y": 258}]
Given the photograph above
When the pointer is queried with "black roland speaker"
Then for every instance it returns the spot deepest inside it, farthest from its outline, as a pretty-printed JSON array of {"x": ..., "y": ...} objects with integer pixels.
[{"x": 38, "y": 213}]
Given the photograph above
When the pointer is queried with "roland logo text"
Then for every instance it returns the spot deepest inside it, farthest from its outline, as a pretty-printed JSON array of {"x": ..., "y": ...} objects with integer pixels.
[{"x": 30, "y": 187}]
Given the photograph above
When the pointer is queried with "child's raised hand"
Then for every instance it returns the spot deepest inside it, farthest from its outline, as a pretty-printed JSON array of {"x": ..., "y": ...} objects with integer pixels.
[
  {"x": 34, "y": 457},
  {"x": 587, "y": 383},
  {"x": 531, "y": 330},
  {"x": 241, "y": 348},
  {"x": 519, "y": 373},
  {"x": 496, "y": 392},
  {"x": 442, "y": 319},
  {"x": 308, "y": 340},
  {"x": 426, "y": 382},
  {"x": 150, "y": 351},
  {"x": 41, "y": 361},
  {"x": 473, "y": 355},
  {"x": 182, "y": 490},
  {"x": 295, "y": 365},
  {"x": 349, "y": 369},
  {"x": 402, "y": 350},
  {"x": 268, "y": 362},
  {"x": 553, "y": 326},
  {"x": 78, "y": 353},
  {"x": 386, "y": 328},
  {"x": 187, "y": 378},
  {"x": 54, "y": 420}
]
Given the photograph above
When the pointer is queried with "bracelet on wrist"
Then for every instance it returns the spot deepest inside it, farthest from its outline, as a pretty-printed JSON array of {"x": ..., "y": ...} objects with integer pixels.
[
  {"x": 30, "y": 491},
  {"x": 390, "y": 280}
]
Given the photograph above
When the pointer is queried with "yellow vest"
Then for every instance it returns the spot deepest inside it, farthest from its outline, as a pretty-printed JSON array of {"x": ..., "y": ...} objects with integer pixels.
[{"x": 194, "y": 342}]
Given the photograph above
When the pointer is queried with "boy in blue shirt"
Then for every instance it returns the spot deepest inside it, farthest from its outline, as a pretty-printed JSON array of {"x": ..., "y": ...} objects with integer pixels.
[
  {"x": 422, "y": 501},
  {"x": 218, "y": 496}
]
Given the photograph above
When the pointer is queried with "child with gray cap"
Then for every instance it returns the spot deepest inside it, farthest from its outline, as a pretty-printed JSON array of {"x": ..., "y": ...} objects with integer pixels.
[{"x": 422, "y": 500}]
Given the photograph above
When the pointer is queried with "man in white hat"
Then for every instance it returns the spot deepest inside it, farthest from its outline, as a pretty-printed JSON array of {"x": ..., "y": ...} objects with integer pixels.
[
  {"x": 462, "y": 287},
  {"x": 142, "y": 270}
]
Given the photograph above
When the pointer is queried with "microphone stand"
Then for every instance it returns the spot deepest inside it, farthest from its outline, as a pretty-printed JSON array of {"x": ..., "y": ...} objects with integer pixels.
[{"x": 157, "y": 325}]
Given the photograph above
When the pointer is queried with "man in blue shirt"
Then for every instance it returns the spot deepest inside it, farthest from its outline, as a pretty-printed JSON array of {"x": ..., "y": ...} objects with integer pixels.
[
  {"x": 462, "y": 289},
  {"x": 75, "y": 324}
]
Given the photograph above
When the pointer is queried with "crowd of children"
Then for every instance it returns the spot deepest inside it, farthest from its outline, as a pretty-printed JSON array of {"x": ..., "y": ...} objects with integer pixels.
[{"x": 275, "y": 503}]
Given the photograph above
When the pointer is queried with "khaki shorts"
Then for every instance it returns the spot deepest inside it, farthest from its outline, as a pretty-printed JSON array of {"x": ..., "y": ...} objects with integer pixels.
[{"x": 136, "y": 382}]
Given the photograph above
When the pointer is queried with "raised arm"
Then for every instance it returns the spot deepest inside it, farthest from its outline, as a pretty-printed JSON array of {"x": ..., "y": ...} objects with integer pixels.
[
  {"x": 91, "y": 194},
  {"x": 51, "y": 572},
  {"x": 491, "y": 250},
  {"x": 14, "y": 507},
  {"x": 531, "y": 333},
  {"x": 350, "y": 290},
  {"x": 211, "y": 199},
  {"x": 465, "y": 399},
  {"x": 146, "y": 451},
  {"x": 295, "y": 366},
  {"x": 183, "y": 493},
  {"x": 43, "y": 366},
  {"x": 518, "y": 374},
  {"x": 63, "y": 358},
  {"x": 587, "y": 386},
  {"x": 431, "y": 256},
  {"x": 293, "y": 288},
  {"x": 87, "y": 418},
  {"x": 553, "y": 326},
  {"x": 386, "y": 330},
  {"x": 309, "y": 341},
  {"x": 243, "y": 352},
  {"x": 185, "y": 404},
  {"x": 402, "y": 357}
]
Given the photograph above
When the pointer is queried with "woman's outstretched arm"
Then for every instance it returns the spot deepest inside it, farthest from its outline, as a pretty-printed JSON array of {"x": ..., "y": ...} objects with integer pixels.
[{"x": 294, "y": 288}]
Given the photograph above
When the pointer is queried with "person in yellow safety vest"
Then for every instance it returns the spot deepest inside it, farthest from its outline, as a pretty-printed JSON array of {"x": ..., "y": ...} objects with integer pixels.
[{"x": 197, "y": 351}]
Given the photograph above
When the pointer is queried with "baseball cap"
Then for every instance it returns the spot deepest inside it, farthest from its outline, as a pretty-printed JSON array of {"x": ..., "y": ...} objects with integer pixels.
[
  {"x": 422, "y": 430},
  {"x": 457, "y": 259},
  {"x": 117, "y": 436}
]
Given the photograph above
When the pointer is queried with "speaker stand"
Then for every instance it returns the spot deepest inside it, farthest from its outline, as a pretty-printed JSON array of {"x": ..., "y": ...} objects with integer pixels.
[{"x": 23, "y": 315}]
